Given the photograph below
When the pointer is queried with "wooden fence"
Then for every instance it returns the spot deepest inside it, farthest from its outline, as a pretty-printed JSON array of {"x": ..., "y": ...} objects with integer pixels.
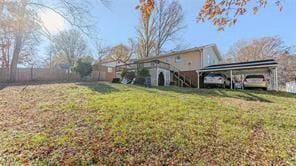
[{"x": 54, "y": 74}]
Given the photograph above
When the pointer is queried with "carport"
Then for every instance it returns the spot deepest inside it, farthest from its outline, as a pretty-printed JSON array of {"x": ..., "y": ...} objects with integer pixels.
[{"x": 267, "y": 67}]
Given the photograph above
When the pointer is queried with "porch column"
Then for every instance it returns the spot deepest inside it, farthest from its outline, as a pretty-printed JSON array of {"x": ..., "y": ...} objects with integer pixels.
[
  {"x": 231, "y": 86},
  {"x": 198, "y": 86}
]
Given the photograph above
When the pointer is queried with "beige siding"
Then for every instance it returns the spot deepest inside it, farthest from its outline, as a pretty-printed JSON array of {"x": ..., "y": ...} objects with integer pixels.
[
  {"x": 209, "y": 57},
  {"x": 188, "y": 61}
]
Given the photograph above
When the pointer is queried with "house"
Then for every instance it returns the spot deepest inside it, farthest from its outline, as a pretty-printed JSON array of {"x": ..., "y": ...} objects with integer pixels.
[
  {"x": 106, "y": 69},
  {"x": 177, "y": 67}
]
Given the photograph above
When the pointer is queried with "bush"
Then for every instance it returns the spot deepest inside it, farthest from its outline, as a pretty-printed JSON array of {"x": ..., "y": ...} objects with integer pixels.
[
  {"x": 143, "y": 73},
  {"x": 116, "y": 80},
  {"x": 140, "y": 81},
  {"x": 83, "y": 68},
  {"x": 128, "y": 74},
  {"x": 123, "y": 73}
]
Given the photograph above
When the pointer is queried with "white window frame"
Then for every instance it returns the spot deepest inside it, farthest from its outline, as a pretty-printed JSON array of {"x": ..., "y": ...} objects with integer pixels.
[
  {"x": 178, "y": 59},
  {"x": 110, "y": 69}
]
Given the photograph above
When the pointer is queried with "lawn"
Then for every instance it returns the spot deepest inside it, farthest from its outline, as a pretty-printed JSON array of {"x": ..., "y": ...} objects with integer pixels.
[{"x": 112, "y": 124}]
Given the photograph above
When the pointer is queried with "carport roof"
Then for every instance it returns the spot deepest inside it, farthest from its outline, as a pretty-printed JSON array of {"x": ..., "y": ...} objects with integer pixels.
[{"x": 270, "y": 63}]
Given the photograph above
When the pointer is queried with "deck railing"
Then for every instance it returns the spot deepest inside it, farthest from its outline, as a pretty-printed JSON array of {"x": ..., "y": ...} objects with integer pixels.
[
  {"x": 182, "y": 80},
  {"x": 146, "y": 64}
]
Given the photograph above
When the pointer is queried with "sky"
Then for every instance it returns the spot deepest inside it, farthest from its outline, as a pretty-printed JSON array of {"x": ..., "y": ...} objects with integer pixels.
[{"x": 116, "y": 24}]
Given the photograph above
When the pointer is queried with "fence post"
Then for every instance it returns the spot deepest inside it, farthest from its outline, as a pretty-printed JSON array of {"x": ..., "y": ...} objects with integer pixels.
[
  {"x": 68, "y": 72},
  {"x": 31, "y": 73}
]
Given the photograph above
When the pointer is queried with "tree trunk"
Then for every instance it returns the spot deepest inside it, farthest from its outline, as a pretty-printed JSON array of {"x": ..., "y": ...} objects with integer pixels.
[
  {"x": 3, "y": 57},
  {"x": 15, "y": 58},
  {"x": 147, "y": 38},
  {"x": 18, "y": 41},
  {"x": 1, "y": 6},
  {"x": 160, "y": 23}
]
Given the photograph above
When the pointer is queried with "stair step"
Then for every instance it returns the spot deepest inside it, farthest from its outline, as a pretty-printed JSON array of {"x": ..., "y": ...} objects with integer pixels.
[{"x": 180, "y": 77}]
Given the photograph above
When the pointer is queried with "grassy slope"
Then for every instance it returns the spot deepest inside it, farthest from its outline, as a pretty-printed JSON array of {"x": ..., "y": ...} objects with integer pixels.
[{"x": 110, "y": 123}]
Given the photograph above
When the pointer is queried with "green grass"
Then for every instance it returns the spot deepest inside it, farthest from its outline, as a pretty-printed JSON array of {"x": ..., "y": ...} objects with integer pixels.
[{"x": 105, "y": 123}]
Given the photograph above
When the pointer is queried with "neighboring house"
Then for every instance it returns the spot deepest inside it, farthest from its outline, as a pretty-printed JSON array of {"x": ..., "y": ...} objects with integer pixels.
[
  {"x": 178, "y": 67},
  {"x": 105, "y": 73},
  {"x": 109, "y": 66}
]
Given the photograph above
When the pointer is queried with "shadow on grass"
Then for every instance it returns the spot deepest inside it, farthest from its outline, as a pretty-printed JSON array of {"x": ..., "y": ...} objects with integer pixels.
[
  {"x": 244, "y": 95},
  {"x": 32, "y": 83},
  {"x": 2, "y": 87},
  {"x": 100, "y": 87},
  {"x": 248, "y": 95}
]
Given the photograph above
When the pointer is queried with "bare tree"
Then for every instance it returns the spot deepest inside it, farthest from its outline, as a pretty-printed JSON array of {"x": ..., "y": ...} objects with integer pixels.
[
  {"x": 146, "y": 38},
  {"x": 169, "y": 21},
  {"x": 121, "y": 53},
  {"x": 258, "y": 49},
  {"x": 68, "y": 46},
  {"x": 158, "y": 27},
  {"x": 220, "y": 12},
  {"x": 287, "y": 68},
  {"x": 146, "y": 29},
  {"x": 265, "y": 48},
  {"x": 101, "y": 51}
]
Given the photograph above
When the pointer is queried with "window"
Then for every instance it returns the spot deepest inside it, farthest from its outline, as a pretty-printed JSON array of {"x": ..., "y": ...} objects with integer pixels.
[
  {"x": 178, "y": 59},
  {"x": 110, "y": 70},
  {"x": 209, "y": 59},
  {"x": 213, "y": 61}
]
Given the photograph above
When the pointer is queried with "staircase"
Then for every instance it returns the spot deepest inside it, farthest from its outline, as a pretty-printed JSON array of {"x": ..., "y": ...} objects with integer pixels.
[{"x": 180, "y": 79}]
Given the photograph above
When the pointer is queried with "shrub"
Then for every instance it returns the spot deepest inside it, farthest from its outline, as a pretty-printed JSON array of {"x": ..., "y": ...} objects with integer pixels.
[
  {"x": 143, "y": 72},
  {"x": 128, "y": 74},
  {"x": 123, "y": 73},
  {"x": 116, "y": 80},
  {"x": 83, "y": 68},
  {"x": 140, "y": 81}
]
